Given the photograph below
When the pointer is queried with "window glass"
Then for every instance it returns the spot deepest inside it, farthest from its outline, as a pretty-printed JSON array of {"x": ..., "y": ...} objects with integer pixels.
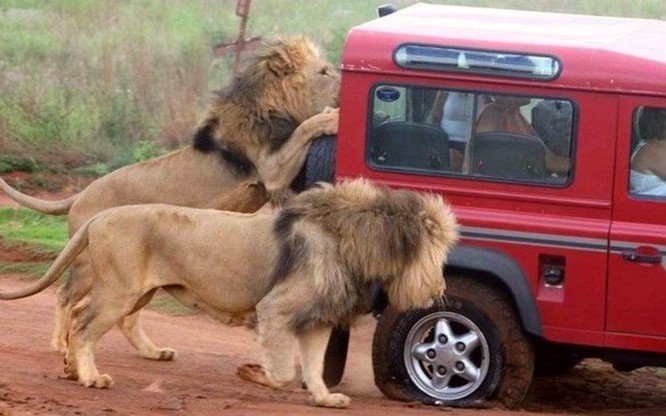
[
  {"x": 438, "y": 58},
  {"x": 647, "y": 173},
  {"x": 473, "y": 133}
]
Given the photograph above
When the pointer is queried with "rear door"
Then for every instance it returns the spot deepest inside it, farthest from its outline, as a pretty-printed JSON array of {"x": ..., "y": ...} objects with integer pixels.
[{"x": 636, "y": 308}]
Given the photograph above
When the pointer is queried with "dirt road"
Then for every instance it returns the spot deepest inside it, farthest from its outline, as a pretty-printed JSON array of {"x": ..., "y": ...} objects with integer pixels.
[{"x": 202, "y": 380}]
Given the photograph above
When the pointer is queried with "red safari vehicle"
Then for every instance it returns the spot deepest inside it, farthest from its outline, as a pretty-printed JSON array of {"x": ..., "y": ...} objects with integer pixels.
[{"x": 543, "y": 131}]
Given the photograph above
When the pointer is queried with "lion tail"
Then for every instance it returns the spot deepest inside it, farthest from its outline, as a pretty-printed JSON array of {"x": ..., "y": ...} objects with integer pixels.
[
  {"x": 74, "y": 246},
  {"x": 60, "y": 207}
]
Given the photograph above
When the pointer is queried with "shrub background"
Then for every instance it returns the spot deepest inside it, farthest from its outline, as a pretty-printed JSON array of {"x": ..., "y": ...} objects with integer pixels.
[{"x": 93, "y": 85}]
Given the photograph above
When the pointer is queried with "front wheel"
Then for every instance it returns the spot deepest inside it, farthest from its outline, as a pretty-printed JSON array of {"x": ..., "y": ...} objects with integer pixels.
[{"x": 468, "y": 349}]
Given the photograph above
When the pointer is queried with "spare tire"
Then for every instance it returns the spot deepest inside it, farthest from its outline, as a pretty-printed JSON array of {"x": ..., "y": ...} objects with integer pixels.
[{"x": 320, "y": 164}]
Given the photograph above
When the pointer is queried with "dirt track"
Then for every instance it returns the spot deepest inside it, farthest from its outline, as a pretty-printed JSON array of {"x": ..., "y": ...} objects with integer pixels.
[{"x": 202, "y": 380}]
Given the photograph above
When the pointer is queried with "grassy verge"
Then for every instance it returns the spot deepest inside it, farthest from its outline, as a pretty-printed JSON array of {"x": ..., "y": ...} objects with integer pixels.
[{"x": 45, "y": 234}]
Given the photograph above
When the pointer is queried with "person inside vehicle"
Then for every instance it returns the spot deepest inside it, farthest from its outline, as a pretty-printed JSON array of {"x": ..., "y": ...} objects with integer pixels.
[
  {"x": 552, "y": 120},
  {"x": 453, "y": 111},
  {"x": 647, "y": 175},
  {"x": 503, "y": 114}
]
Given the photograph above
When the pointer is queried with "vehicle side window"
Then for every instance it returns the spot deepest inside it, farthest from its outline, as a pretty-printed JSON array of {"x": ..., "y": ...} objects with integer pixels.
[
  {"x": 647, "y": 173},
  {"x": 471, "y": 133}
]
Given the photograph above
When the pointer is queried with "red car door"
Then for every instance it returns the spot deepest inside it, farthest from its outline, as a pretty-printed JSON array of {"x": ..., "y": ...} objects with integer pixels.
[{"x": 636, "y": 308}]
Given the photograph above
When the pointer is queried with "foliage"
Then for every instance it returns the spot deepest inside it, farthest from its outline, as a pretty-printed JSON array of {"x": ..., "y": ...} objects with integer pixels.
[{"x": 86, "y": 83}]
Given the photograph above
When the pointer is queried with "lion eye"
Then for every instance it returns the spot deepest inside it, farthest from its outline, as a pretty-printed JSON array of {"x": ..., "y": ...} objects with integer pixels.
[{"x": 323, "y": 71}]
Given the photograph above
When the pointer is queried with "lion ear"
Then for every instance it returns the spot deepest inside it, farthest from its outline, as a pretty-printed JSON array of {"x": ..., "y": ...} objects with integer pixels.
[
  {"x": 280, "y": 62},
  {"x": 288, "y": 56}
]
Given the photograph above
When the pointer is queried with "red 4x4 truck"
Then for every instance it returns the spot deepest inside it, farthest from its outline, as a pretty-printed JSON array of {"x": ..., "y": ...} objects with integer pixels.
[{"x": 527, "y": 123}]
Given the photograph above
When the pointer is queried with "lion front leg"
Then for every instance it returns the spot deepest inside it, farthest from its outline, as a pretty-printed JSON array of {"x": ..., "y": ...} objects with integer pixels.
[
  {"x": 278, "y": 344},
  {"x": 313, "y": 344},
  {"x": 277, "y": 169}
]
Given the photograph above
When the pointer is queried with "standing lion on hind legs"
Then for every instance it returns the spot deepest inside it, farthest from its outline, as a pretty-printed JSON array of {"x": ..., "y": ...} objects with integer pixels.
[
  {"x": 258, "y": 129},
  {"x": 297, "y": 272}
]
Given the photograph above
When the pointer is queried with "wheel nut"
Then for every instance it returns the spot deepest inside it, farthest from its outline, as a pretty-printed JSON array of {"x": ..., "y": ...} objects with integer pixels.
[
  {"x": 441, "y": 370},
  {"x": 442, "y": 339},
  {"x": 460, "y": 366},
  {"x": 431, "y": 353},
  {"x": 460, "y": 346}
]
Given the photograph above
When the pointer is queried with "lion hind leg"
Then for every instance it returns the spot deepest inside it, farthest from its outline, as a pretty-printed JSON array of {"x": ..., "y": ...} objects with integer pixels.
[
  {"x": 76, "y": 286},
  {"x": 133, "y": 331},
  {"x": 89, "y": 322},
  {"x": 59, "y": 336},
  {"x": 80, "y": 358},
  {"x": 313, "y": 344}
]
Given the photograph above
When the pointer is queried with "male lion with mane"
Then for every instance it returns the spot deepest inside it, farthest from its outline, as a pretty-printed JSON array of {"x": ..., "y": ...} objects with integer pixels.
[
  {"x": 257, "y": 130},
  {"x": 298, "y": 271}
]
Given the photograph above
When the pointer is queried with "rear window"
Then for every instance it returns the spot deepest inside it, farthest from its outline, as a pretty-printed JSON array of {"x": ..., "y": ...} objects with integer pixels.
[{"x": 514, "y": 138}]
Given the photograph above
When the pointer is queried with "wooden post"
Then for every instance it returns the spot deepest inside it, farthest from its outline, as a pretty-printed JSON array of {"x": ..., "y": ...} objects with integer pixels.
[{"x": 242, "y": 11}]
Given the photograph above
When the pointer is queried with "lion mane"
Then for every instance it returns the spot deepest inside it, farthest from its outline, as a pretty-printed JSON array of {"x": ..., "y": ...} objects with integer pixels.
[
  {"x": 258, "y": 111},
  {"x": 255, "y": 136},
  {"x": 303, "y": 270},
  {"x": 365, "y": 234}
]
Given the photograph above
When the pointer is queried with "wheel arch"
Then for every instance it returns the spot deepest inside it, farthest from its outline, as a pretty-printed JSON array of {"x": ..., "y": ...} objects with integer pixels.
[{"x": 493, "y": 265}]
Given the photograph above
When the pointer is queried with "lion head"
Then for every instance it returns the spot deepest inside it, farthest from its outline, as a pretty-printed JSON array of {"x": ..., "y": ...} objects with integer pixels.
[
  {"x": 356, "y": 233},
  {"x": 282, "y": 85}
]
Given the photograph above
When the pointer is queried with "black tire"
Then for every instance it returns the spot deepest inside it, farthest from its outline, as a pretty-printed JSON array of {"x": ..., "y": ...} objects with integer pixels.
[
  {"x": 320, "y": 164},
  {"x": 481, "y": 338}
]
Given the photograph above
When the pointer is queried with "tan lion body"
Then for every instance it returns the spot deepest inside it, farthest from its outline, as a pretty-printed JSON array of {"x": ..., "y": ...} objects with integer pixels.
[
  {"x": 257, "y": 130},
  {"x": 303, "y": 270}
]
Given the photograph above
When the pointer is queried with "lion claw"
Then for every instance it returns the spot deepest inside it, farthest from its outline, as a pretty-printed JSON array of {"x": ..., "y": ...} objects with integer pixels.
[
  {"x": 163, "y": 354},
  {"x": 334, "y": 400},
  {"x": 103, "y": 381},
  {"x": 254, "y": 373}
]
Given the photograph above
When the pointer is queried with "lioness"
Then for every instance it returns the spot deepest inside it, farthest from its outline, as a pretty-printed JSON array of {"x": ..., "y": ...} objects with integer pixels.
[
  {"x": 303, "y": 270},
  {"x": 258, "y": 129}
]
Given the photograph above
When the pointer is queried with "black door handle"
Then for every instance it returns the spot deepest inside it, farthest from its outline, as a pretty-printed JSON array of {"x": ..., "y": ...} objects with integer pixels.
[{"x": 633, "y": 255}]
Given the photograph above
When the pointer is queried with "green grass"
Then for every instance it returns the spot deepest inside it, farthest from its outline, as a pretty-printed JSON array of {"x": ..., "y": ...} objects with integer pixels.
[
  {"x": 47, "y": 234},
  {"x": 164, "y": 303},
  {"x": 32, "y": 269},
  {"x": 38, "y": 234}
]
